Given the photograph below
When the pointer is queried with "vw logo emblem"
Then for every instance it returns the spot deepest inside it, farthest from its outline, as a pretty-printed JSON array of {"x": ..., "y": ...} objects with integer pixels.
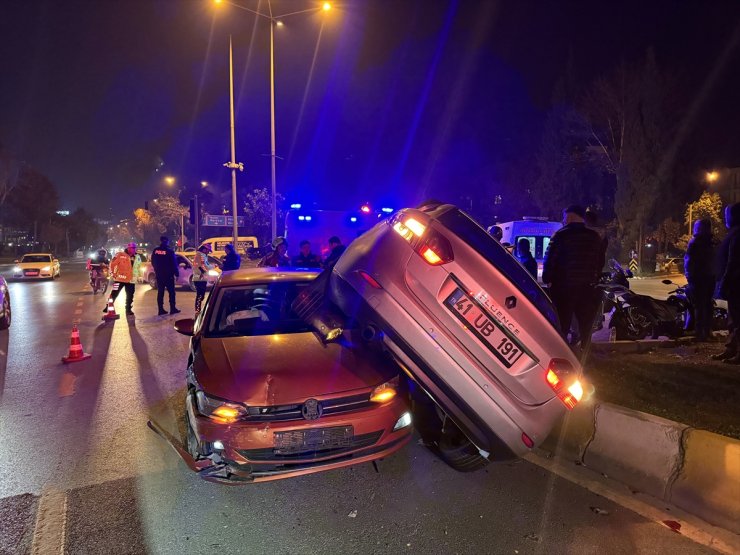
[{"x": 312, "y": 409}]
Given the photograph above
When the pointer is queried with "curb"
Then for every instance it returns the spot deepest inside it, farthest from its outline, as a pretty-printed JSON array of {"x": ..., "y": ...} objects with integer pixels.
[{"x": 695, "y": 470}]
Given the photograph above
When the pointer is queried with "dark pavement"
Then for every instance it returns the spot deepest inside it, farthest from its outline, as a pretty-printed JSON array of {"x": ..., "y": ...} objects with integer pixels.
[{"x": 80, "y": 468}]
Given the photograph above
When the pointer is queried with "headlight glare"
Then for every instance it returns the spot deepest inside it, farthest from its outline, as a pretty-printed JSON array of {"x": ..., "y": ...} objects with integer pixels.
[{"x": 218, "y": 410}]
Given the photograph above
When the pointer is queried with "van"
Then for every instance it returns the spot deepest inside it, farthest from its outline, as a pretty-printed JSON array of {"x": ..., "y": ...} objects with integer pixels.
[
  {"x": 243, "y": 245},
  {"x": 536, "y": 231}
]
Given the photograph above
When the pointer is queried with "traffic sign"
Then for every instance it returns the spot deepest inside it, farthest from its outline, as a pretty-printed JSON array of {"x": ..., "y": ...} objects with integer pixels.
[
  {"x": 222, "y": 221},
  {"x": 633, "y": 265}
]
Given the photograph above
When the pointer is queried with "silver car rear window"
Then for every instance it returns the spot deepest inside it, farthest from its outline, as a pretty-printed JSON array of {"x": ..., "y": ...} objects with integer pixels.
[{"x": 474, "y": 235}]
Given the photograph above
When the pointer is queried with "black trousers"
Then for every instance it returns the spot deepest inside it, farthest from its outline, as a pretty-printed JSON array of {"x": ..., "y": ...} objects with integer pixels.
[
  {"x": 200, "y": 293},
  {"x": 579, "y": 302},
  {"x": 733, "y": 309},
  {"x": 701, "y": 298},
  {"x": 167, "y": 283},
  {"x": 129, "y": 287}
]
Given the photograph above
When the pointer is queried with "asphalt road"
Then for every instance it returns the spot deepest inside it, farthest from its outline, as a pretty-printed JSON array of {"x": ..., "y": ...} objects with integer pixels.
[{"x": 80, "y": 470}]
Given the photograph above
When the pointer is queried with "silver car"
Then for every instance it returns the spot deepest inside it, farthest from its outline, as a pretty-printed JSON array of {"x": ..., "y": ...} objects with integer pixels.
[{"x": 468, "y": 324}]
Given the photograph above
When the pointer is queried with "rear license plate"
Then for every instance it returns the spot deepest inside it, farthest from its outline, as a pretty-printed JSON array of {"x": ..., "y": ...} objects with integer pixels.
[
  {"x": 485, "y": 328},
  {"x": 314, "y": 439}
]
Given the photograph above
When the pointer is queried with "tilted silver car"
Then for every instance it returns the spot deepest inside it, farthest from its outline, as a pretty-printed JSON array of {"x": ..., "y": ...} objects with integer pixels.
[{"x": 468, "y": 323}]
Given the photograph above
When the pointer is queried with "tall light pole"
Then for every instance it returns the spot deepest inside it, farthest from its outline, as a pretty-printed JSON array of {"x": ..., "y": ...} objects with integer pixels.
[
  {"x": 233, "y": 165},
  {"x": 275, "y": 20}
]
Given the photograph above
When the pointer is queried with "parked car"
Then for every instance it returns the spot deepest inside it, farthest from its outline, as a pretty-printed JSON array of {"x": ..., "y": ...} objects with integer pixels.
[
  {"x": 37, "y": 266},
  {"x": 5, "y": 312},
  {"x": 185, "y": 262},
  {"x": 267, "y": 399},
  {"x": 471, "y": 326}
]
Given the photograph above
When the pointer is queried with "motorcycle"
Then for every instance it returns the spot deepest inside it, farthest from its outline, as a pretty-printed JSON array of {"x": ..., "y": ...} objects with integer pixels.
[
  {"x": 99, "y": 278},
  {"x": 635, "y": 316},
  {"x": 681, "y": 297}
]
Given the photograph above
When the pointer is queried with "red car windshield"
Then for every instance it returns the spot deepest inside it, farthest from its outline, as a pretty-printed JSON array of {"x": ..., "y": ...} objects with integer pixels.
[{"x": 256, "y": 309}]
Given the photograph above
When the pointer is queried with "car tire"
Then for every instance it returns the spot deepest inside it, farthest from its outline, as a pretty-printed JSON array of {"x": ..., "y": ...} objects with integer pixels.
[
  {"x": 152, "y": 280},
  {"x": 7, "y": 315},
  {"x": 443, "y": 437}
]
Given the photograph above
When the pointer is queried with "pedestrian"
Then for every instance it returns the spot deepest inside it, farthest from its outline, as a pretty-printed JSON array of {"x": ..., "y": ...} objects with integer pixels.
[
  {"x": 305, "y": 258},
  {"x": 524, "y": 255},
  {"x": 337, "y": 248},
  {"x": 166, "y": 270},
  {"x": 572, "y": 265},
  {"x": 123, "y": 268},
  {"x": 278, "y": 258},
  {"x": 496, "y": 232},
  {"x": 201, "y": 267},
  {"x": 232, "y": 261},
  {"x": 699, "y": 269},
  {"x": 729, "y": 282}
]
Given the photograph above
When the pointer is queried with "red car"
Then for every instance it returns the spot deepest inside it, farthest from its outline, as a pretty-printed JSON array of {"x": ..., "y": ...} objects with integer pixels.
[{"x": 268, "y": 399}]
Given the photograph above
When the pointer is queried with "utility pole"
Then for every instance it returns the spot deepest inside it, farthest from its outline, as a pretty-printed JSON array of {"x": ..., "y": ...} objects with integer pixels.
[
  {"x": 233, "y": 165},
  {"x": 197, "y": 222}
]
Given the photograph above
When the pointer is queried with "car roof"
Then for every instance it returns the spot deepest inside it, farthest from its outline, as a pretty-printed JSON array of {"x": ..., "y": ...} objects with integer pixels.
[
  {"x": 259, "y": 275},
  {"x": 38, "y": 254}
]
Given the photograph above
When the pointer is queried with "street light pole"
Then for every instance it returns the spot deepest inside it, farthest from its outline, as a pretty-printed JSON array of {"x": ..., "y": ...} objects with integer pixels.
[
  {"x": 233, "y": 165},
  {"x": 272, "y": 128}
]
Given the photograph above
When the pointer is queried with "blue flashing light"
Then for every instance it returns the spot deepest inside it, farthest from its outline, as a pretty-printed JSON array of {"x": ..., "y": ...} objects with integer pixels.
[
  {"x": 387, "y": 210},
  {"x": 308, "y": 218},
  {"x": 301, "y": 218},
  {"x": 295, "y": 206},
  {"x": 353, "y": 219}
]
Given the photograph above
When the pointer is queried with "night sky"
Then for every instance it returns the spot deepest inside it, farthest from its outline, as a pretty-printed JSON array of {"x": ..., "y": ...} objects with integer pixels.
[{"x": 386, "y": 101}]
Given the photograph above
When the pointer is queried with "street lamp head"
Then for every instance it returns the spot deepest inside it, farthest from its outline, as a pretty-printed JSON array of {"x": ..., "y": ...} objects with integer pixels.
[
  {"x": 326, "y": 7},
  {"x": 279, "y": 23},
  {"x": 169, "y": 180},
  {"x": 204, "y": 183},
  {"x": 712, "y": 176},
  {"x": 217, "y": 1}
]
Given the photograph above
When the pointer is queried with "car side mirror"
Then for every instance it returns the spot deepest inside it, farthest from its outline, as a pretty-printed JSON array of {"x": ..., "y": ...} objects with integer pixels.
[
  {"x": 185, "y": 326},
  {"x": 667, "y": 282}
]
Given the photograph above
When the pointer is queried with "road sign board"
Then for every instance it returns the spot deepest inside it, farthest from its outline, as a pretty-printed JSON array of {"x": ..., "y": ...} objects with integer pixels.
[
  {"x": 633, "y": 265},
  {"x": 223, "y": 221}
]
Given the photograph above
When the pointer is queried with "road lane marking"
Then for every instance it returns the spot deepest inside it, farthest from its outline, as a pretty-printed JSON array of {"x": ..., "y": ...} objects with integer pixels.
[
  {"x": 648, "y": 507},
  {"x": 67, "y": 384},
  {"x": 49, "y": 534}
]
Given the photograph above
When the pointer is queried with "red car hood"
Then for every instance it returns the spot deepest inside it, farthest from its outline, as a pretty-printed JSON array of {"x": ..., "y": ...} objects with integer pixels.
[{"x": 286, "y": 369}]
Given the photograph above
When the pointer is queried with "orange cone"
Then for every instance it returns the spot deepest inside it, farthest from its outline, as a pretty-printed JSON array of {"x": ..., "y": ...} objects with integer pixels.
[
  {"x": 111, "y": 312},
  {"x": 76, "y": 353}
]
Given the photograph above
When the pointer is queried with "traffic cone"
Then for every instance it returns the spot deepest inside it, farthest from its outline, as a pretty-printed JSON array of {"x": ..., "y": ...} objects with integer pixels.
[
  {"x": 110, "y": 313},
  {"x": 76, "y": 353}
]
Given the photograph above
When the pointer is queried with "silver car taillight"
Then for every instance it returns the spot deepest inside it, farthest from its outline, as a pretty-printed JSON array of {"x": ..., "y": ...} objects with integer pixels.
[
  {"x": 431, "y": 245},
  {"x": 559, "y": 378}
]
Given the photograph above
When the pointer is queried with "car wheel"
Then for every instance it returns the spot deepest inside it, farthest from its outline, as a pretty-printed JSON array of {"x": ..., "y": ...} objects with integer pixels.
[
  {"x": 624, "y": 331},
  {"x": 5, "y": 320},
  {"x": 443, "y": 437},
  {"x": 152, "y": 280}
]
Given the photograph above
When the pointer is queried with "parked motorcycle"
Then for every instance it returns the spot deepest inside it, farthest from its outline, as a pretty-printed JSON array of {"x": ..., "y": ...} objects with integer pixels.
[
  {"x": 681, "y": 297},
  {"x": 637, "y": 316}
]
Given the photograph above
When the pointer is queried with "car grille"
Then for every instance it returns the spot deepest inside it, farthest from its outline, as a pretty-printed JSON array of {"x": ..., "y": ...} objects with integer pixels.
[
  {"x": 329, "y": 407},
  {"x": 270, "y": 454}
]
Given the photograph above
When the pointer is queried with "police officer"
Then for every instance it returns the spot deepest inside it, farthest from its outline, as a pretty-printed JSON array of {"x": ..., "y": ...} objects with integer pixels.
[
  {"x": 573, "y": 261},
  {"x": 337, "y": 248},
  {"x": 232, "y": 261},
  {"x": 166, "y": 270},
  {"x": 729, "y": 282}
]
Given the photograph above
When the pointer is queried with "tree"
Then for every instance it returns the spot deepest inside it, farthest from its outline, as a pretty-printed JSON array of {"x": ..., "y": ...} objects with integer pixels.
[
  {"x": 633, "y": 120},
  {"x": 167, "y": 212},
  {"x": 83, "y": 231},
  {"x": 668, "y": 233},
  {"x": 33, "y": 201},
  {"x": 708, "y": 206},
  {"x": 258, "y": 214}
]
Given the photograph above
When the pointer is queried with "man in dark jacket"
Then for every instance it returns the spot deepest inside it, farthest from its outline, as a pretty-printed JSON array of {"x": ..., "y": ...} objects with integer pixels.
[
  {"x": 524, "y": 255},
  {"x": 729, "y": 281},
  {"x": 166, "y": 270},
  {"x": 699, "y": 264},
  {"x": 573, "y": 261},
  {"x": 232, "y": 261},
  {"x": 305, "y": 258},
  {"x": 337, "y": 248}
]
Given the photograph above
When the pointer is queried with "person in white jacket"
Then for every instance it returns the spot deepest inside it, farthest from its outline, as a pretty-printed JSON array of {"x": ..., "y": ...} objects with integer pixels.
[{"x": 201, "y": 267}]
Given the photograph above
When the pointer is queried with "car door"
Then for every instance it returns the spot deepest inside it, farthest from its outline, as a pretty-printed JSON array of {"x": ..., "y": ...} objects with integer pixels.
[{"x": 186, "y": 270}]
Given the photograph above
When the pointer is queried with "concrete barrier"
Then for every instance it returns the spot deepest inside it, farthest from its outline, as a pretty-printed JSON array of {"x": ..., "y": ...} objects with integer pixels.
[
  {"x": 708, "y": 482},
  {"x": 695, "y": 470},
  {"x": 639, "y": 449}
]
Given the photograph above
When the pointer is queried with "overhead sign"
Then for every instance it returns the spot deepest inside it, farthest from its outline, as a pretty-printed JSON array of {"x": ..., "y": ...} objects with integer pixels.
[{"x": 222, "y": 221}]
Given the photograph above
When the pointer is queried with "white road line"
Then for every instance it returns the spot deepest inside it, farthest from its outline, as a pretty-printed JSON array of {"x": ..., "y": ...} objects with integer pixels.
[
  {"x": 648, "y": 507},
  {"x": 49, "y": 534}
]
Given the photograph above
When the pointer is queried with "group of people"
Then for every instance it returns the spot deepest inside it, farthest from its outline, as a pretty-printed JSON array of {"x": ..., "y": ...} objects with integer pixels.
[
  {"x": 305, "y": 258},
  {"x": 713, "y": 271}
]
